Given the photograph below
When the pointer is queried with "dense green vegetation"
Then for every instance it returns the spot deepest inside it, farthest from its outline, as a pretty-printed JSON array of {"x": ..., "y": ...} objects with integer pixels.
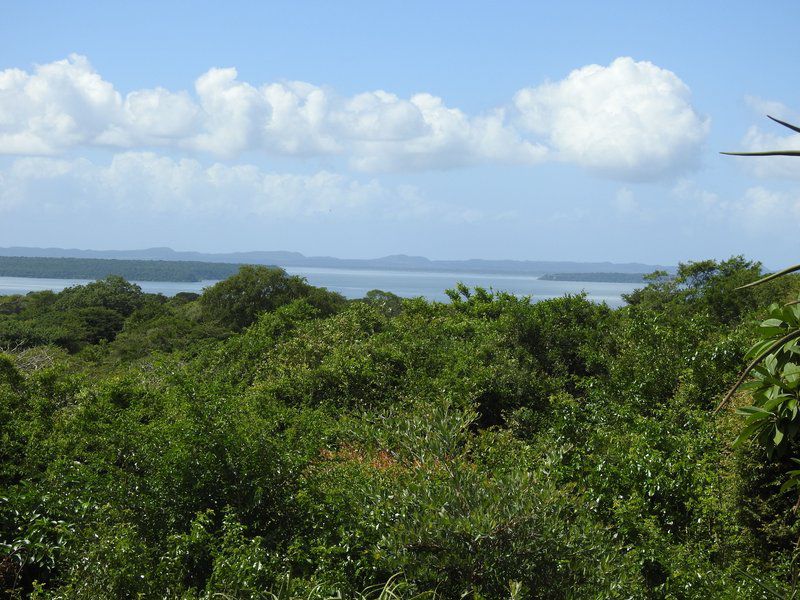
[
  {"x": 270, "y": 439},
  {"x": 98, "y": 268}
]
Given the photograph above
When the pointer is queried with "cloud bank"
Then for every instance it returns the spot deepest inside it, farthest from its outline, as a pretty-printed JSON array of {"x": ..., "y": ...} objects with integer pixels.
[
  {"x": 146, "y": 183},
  {"x": 629, "y": 120},
  {"x": 758, "y": 210}
]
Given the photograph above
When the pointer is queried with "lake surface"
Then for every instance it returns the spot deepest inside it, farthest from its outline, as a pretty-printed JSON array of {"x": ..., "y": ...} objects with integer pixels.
[{"x": 355, "y": 283}]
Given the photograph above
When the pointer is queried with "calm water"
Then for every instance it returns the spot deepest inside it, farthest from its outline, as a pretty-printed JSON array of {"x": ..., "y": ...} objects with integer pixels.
[{"x": 355, "y": 283}]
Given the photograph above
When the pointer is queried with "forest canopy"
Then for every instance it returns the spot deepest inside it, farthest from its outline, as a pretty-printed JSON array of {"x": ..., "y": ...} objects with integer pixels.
[{"x": 271, "y": 439}]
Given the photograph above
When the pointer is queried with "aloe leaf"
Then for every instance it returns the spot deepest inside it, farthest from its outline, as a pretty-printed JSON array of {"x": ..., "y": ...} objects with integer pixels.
[
  {"x": 777, "y": 438},
  {"x": 767, "y": 153},
  {"x": 772, "y": 276},
  {"x": 785, "y": 124}
]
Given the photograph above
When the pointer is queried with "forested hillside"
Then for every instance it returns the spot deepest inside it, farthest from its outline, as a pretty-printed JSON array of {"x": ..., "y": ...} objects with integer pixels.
[
  {"x": 270, "y": 439},
  {"x": 98, "y": 268}
]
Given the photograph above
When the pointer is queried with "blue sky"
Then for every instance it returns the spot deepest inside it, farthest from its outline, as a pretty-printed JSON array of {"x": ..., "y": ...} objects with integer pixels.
[{"x": 578, "y": 131}]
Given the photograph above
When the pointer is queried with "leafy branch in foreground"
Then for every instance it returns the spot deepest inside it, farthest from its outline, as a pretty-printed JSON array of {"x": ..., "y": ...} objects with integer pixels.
[{"x": 773, "y": 418}]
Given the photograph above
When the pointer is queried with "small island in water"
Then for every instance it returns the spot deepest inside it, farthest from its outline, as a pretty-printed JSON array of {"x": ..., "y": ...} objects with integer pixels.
[{"x": 597, "y": 277}]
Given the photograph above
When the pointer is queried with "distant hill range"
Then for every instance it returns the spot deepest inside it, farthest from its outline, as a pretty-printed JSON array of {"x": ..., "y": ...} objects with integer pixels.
[{"x": 398, "y": 262}]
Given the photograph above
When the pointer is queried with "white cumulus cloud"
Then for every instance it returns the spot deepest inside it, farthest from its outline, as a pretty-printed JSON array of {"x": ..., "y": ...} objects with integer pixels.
[
  {"x": 630, "y": 120},
  {"x": 62, "y": 104}
]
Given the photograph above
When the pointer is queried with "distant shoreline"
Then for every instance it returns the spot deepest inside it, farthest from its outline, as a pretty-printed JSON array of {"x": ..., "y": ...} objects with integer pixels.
[
  {"x": 195, "y": 271},
  {"x": 295, "y": 259}
]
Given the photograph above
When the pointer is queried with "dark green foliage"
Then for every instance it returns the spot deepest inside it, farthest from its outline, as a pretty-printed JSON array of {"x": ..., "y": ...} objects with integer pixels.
[
  {"x": 237, "y": 301},
  {"x": 389, "y": 303},
  {"x": 112, "y": 293},
  {"x": 268, "y": 439},
  {"x": 73, "y": 318},
  {"x": 709, "y": 288}
]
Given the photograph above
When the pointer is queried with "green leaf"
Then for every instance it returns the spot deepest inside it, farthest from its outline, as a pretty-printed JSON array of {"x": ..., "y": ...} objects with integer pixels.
[
  {"x": 753, "y": 410},
  {"x": 771, "y": 363},
  {"x": 789, "y": 484},
  {"x": 771, "y": 332},
  {"x": 778, "y": 437},
  {"x": 751, "y": 385},
  {"x": 747, "y": 433},
  {"x": 772, "y": 323},
  {"x": 758, "y": 348},
  {"x": 789, "y": 315},
  {"x": 773, "y": 403}
]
